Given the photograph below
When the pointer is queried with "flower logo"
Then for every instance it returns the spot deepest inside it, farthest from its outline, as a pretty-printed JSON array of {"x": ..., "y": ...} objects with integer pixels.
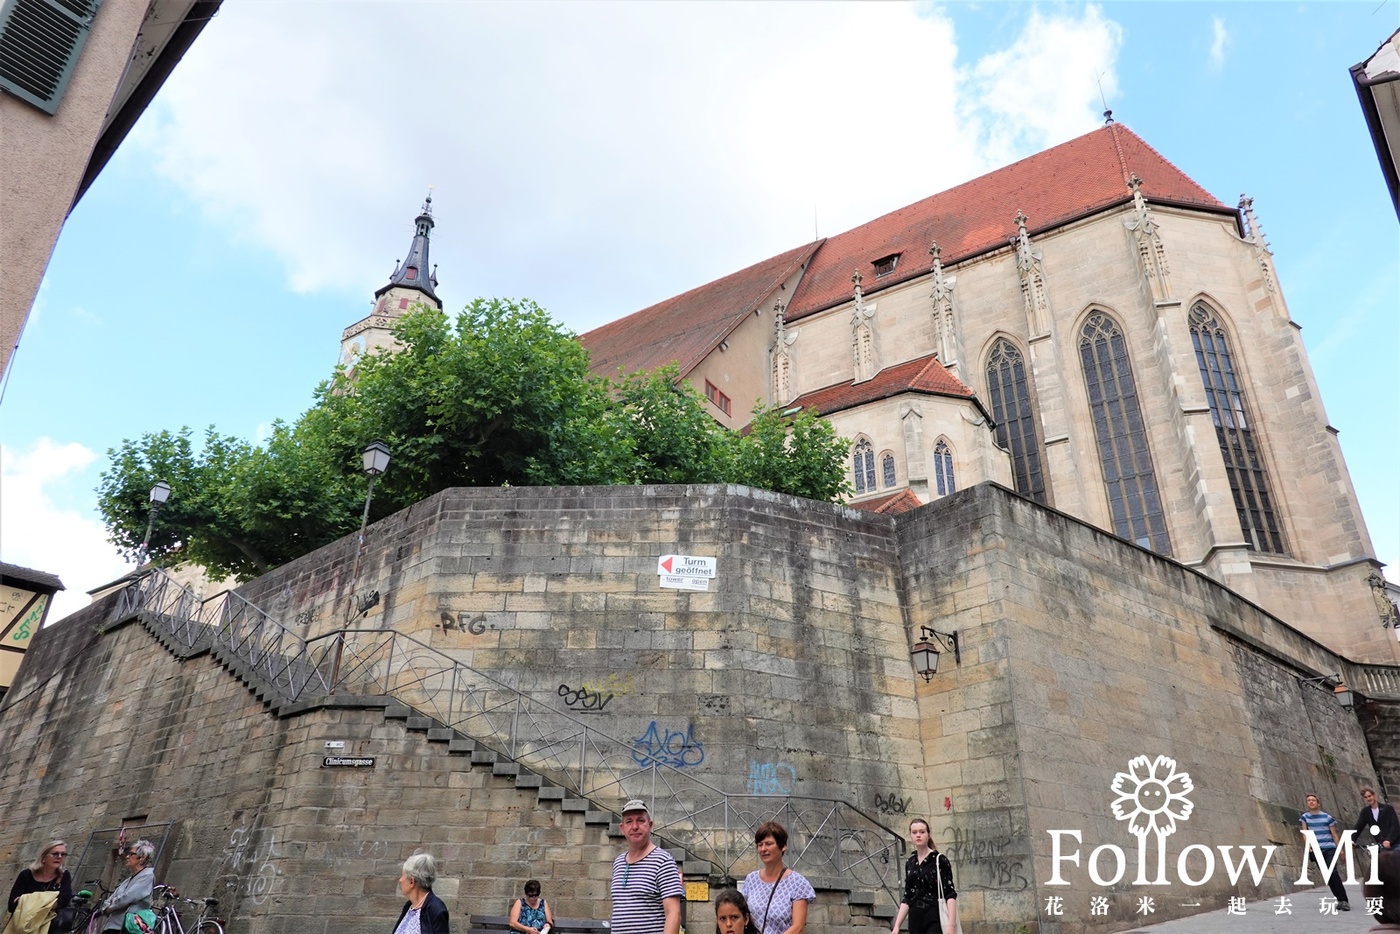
[{"x": 1152, "y": 796}]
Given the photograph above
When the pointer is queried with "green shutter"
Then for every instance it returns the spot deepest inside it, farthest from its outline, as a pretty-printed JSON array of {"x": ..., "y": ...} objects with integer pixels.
[{"x": 39, "y": 44}]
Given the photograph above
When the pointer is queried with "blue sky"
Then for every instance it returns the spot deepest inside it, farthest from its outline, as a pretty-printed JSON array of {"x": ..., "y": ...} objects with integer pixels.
[{"x": 600, "y": 157}]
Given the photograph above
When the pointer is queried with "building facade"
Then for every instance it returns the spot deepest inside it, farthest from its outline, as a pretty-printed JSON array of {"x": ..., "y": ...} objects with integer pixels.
[{"x": 1087, "y": 325}]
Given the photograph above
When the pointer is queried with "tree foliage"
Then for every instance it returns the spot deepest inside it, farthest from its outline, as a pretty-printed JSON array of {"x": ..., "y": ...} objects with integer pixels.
[{"x": 500, "y": 396}]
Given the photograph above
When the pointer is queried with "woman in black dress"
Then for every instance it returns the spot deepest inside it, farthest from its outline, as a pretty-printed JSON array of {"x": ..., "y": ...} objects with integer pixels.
[{"x": 927, "y": 872}]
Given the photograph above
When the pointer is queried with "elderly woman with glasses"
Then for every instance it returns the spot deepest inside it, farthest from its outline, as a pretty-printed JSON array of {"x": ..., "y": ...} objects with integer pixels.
[
  {"x": 134, "y": 892},
  {"x": 45, "y": 874},
  {"x": 424, "y": 912}
]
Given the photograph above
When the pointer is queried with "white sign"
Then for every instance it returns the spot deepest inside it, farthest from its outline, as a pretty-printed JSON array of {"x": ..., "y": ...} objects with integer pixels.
[
  {"x": 685, "y": 566},
  {"x": 676, "y": 582},
  {"x": 335, "y": 744}
]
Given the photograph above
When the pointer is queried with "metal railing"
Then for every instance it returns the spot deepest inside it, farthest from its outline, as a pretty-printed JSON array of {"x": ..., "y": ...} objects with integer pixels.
[{"x": 831, "y": 842}]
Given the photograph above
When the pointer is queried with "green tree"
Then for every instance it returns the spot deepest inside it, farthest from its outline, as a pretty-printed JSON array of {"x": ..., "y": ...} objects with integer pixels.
[
  {"x": 659, "y": 431},
  {"x": 794, "y": 453},
  {"x": 500, "y": 396},
  {"x": 504, "y": 396}
]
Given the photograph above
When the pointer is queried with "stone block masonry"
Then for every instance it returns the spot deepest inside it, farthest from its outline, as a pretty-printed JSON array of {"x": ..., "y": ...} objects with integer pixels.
[{"x": 790, "y": 676}]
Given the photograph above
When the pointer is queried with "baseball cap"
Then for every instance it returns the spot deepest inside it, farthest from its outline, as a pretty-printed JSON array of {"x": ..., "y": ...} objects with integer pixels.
[{"x": 636, "y": 804}]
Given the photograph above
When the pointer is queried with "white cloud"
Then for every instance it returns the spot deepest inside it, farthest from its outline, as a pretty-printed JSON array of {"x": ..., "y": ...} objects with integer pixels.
[
  {"x": 596, "y": 156},
  {"x": 1220, "y": 38},
  {"x": 41, "y": 528},
  {"x": 1047, "y": 86}
]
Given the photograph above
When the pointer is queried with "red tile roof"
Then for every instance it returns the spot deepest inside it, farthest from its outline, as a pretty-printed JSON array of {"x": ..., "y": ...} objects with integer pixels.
[
  {"x": 686, "y": 328},
  {"x": 1061, "y": 184},
  {"x": 891, "y": 505},
  {"x": 1054, "y": 187},
  {"x": 922, "y": 375}
]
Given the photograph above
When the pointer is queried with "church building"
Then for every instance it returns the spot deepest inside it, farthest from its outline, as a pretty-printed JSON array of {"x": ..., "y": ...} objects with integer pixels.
[{"x": 1088, "y": 326}]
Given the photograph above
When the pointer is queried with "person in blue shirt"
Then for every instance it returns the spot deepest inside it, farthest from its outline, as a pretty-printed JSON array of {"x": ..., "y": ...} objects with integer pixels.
[{"x": 1324, "y": 827}]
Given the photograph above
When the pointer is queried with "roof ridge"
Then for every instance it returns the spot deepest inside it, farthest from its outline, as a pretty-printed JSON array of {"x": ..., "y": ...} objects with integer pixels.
[{"x": 1156, "y": 152}]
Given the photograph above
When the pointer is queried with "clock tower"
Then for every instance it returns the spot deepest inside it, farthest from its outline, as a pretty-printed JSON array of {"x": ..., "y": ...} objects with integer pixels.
[{"x": 410, "y": 284}]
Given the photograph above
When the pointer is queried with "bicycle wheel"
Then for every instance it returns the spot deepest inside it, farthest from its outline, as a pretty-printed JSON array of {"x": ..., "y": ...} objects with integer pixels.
[{"x": 210, "y": 927}]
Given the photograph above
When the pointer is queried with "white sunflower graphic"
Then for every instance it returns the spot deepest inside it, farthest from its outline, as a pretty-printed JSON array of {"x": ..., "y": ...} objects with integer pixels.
[{"x": 1152, "y": 796}]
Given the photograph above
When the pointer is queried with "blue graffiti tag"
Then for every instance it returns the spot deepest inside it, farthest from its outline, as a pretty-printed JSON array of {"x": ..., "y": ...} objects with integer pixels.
[
  {"x": 771, "y": 778},
  {"x": 674, "y": 748}
]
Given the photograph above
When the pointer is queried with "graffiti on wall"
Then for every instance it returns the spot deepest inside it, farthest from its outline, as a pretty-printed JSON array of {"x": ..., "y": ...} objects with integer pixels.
[
  {"x": 675, "y": 748},
  {"x": 582, "y": 700},
  {"x": 248, "y": 867},
  {"x": 984, "y": 851},
  {"x": 474, "y": 623},
  {"x": 891, "y": 803},
  {"x": 771, "y": 778}
]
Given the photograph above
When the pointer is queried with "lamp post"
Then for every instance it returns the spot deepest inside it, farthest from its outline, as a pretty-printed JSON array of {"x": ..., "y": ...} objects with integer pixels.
[
  {"x": 376, "y": 460},
  {"x": 159, "y": 494}
]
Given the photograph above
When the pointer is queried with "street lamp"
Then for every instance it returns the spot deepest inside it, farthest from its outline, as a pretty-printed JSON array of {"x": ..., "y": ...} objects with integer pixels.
[
  {"x": 376, "y": 461},
  {"x": 1334, "y": 685},
  {"x": 926, "y": 651},
  {"x": 159, "y": 494}
]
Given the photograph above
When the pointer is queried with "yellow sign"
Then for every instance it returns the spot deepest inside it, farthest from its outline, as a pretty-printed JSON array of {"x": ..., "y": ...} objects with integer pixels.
[{"x": 697, "y": 891}]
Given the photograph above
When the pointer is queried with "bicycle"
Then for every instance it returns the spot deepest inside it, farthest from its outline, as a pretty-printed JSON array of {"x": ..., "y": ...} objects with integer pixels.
[
  {"x": 168, "y": 919},
  {"x": 87, "y": 903}
]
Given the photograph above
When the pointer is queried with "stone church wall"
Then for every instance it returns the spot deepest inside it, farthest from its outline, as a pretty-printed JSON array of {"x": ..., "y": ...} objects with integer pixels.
[
  {"x": 791, "y": 675},
  {"x": 1095, "y": 653}
]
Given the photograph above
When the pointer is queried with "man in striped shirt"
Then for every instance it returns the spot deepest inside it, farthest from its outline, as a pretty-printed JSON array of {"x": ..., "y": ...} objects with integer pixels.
[
  {"x": 646, "y": 882},
  {"x": 1324, "y": 828}
]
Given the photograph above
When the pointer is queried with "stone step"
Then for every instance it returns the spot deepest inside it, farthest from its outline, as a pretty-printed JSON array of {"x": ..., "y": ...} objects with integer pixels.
[
  {"x": 419, "y": 724},
  {"x": 864, "y": 899},
  {"x": 696, "y": 867},
  {"x": 483, "y": 757},
  {"x": 529, "y": 780},
  {"x": 551, "y": 793},
  {"x": 505, "y": 768},
  {"x": 597, "y": 817},
  {"x": 441, "y": 734},
  {"x": 397, "y": 712},
  {"x": 576, "y": 805},
  {"x": 460, "y": 745}
]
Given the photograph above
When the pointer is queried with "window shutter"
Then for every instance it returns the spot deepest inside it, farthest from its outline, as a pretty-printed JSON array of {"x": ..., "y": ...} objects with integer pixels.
[{"x": 40, "y": 41}]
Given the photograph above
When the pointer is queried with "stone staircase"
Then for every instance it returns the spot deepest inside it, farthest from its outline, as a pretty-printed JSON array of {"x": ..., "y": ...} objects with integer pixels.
[{"x": 861, "y": 907}]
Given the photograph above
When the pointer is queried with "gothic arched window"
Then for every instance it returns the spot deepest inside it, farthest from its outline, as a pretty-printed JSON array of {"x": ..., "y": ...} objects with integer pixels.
[
  {"x": 1243, "y": 463},
  {"x": 863, "y": 461},
  {"x": 1011, "y": 410},
  {"x": 1129, "y": 480},
  {"x": 943, "y": 468},
  {"x": 887, "y": 470}
]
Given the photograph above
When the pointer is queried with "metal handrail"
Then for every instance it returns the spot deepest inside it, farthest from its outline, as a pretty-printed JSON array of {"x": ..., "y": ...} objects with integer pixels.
[{"x": 831, "y": 841}]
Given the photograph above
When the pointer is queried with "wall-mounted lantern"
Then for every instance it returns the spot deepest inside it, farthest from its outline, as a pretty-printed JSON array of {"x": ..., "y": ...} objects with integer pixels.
[
  {"x": 1336, "y": 686},
  {"x": 931, "y": 644}
]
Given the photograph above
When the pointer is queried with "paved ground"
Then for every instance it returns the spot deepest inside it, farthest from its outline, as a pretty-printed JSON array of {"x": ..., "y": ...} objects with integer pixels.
[{"x": 1261, "y": 918}]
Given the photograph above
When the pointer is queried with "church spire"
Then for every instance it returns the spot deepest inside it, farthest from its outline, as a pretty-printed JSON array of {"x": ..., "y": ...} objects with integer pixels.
[{"x": 413, "y": 272}]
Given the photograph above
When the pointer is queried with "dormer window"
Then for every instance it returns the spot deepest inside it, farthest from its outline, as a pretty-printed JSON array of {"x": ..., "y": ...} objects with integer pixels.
[
  {"x": 885, "y": 266},
  {"x": 411, "y": 273}
]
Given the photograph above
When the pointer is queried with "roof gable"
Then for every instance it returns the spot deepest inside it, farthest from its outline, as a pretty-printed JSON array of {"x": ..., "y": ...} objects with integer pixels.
[
  {"x": 922, "y": 375},
  {"x": 891, "y": 504},
  {"x": 1061, "y": 184},
  {"x": 686, "y": 328}
]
